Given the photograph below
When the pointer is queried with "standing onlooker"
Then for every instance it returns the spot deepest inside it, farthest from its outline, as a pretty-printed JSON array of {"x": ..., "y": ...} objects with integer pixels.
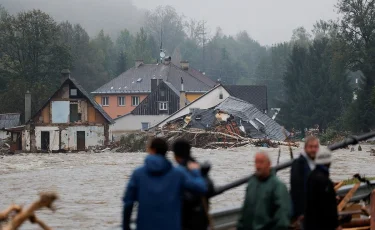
[
  {"x": 195, "y": 207},
  {"x": 301, "y": 168},
  {"x": 321, "y": 205},
  {"x": 267, "y": 202},
  {"x": 158, "y": 188}
]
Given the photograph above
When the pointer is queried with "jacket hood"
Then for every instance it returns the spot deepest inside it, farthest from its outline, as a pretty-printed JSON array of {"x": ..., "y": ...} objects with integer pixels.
[{"x": 157, "y": 164}]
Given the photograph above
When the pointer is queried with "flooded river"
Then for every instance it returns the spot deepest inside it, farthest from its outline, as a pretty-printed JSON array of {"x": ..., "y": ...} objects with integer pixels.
[{"x": 91, "y": 186}]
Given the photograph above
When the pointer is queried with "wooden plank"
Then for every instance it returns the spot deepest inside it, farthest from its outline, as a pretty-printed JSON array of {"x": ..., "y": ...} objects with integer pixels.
[
  {"x": 372, "y": 210},
  {"x": 347, "y": 197},
  {"x": 338, "y": 186}
]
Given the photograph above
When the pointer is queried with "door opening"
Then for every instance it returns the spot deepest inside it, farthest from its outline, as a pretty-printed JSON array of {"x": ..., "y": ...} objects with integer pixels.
[
  {"x": 45, "y": 142},
  {"x": 81, "y": 143}
]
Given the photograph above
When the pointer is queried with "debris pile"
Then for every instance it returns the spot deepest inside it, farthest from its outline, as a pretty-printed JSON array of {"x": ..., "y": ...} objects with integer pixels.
[
  {"x": 133, "y": 142},
  {"x": 14, "y": 216},
  {"x": 232, "y": 123},
  {"x": 4, "y": 147}
]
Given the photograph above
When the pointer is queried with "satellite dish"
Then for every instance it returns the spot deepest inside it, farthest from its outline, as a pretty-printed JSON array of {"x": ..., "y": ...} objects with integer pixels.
[{"x": 162, "y": 54}]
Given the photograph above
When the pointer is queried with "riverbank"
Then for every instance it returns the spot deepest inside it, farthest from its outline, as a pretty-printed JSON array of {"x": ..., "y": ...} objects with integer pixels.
[{"x": 91, "y": 185}]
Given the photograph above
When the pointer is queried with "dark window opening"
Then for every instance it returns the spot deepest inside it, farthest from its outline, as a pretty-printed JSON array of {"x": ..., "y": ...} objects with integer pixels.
[{"x": 74, "y": 115}]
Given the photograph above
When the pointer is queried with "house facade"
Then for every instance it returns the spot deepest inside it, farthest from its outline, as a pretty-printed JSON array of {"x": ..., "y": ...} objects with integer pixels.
[
  {"x": 69, "y": 121},
  {"x": 163, "y": 100},
  {"x": 123, "y": 94}
]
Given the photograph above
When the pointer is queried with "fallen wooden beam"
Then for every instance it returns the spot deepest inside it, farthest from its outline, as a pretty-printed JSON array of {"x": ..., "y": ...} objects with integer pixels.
[
  {"x": 45, "y": 201},
  {"x": 347, "y": 197},
  {"x": 372, "y": 210},
  {"x": 13, "y": 208},
  {"x": 357, "y": 223},
  {"x": 338, "y": 186}
]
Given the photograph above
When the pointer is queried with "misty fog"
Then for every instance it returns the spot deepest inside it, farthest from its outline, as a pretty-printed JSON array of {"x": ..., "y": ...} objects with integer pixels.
[{"x": 268, "y": 22}]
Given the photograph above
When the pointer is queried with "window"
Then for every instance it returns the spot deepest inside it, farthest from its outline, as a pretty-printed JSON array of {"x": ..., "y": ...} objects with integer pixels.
[
  {"x": 73, "y": 92},
  {"x": 163, "y": 105},
  {"x": 135, "y": 101},
  {"x": 162, "y": 93},
  {"x": 121, "y": 101},
  {"x": 105, "y": 101},
  {"x": 145, "y": 125}
]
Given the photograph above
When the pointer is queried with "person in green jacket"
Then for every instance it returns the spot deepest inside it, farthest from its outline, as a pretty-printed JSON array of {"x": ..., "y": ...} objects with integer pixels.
[{"x": 267, "y": 204}]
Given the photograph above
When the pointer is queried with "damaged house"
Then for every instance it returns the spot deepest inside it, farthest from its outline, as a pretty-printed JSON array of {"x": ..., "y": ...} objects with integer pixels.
[
  {"x": 219, "y": 111},
  {"x": 70, "y": 120},
  {"x": 8, "y": 120}
]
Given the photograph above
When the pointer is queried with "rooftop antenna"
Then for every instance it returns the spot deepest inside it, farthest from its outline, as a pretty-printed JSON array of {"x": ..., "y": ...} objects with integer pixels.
[{"x": 162, "y": 52}]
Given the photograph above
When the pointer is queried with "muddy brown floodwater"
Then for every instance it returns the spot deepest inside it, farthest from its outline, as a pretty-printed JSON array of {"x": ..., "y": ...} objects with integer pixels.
[{"x": 91, "y": 186}]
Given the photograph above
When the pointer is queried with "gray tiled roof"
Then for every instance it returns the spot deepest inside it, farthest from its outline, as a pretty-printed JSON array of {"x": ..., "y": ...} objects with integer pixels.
[
  {"x": 138, "y": 80},
  {"x": 248, "y": 113},
  {"x": 254, "y": 94},
  {"x": 9, "y": 120}
]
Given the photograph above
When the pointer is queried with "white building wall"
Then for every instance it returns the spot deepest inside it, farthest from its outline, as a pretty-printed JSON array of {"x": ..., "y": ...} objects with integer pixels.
[
  {"x": 94, "y": 136},
  {"x": 53, "y": 137},
  {"x": 206, "y": 101},
  {"x": 132, "y": 122},
  {"x": 4, "y": 135}
]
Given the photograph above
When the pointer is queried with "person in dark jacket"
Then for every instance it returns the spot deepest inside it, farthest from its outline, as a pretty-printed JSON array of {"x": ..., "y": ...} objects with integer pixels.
[
  {"x": 158, "y": 187},
  {"x": 195, "y": 207},
  {"x": 301, "y": 168},
  {"x": 267, "y": 202},
  {"x": 321, "y": 205}
]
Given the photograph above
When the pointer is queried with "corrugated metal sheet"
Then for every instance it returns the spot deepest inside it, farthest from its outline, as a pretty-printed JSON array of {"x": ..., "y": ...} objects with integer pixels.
[
  {"x": 127, "y": 82},
  {"x": 9, "y": 120},
  {"x": 248, "y": 113}
]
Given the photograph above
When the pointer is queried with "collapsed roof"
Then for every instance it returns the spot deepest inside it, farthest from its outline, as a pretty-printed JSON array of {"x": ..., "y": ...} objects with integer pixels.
[{"x": 245, "y": 116}]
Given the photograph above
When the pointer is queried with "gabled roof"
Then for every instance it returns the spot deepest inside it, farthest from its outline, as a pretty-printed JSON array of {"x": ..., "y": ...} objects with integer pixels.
[
  {"x": 254, "y": 94},
  {"x": 138, "y": 79},
  {"x": 9, "y": 120},
  {"x": 85, "y": 94}
]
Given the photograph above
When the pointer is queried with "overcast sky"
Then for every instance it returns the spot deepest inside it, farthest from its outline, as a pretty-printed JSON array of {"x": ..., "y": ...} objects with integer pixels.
[{"x": 267, "y": 21}]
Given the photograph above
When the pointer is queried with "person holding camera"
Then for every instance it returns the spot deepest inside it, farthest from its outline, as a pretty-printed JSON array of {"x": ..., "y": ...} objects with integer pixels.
[{"x": 195, "y": 207}]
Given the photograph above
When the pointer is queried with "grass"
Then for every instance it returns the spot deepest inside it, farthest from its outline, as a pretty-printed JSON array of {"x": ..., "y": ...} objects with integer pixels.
[{"x": 354, "y": 180}]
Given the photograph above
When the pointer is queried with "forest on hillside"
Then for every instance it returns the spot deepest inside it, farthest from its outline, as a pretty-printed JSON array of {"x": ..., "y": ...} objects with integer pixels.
[{"x": 312, "y": 77}]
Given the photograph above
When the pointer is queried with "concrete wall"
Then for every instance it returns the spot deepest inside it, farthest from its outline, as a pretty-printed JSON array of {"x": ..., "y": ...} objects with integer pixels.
[
  {"x": 95, "y": 136},
  {"x": 206, "y": 101},
  {"x": 132, "y": 122}
]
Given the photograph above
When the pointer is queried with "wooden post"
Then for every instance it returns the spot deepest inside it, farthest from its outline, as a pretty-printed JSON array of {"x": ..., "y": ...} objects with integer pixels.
[{"x": 372, "y": 211}]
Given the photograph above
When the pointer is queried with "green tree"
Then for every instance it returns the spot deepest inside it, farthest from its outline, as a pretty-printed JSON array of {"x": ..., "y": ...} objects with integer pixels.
[
  {"x": 142, "y": 49},
  {"x": 32, "y": 58},
  {"x": 358, "y": 32}
]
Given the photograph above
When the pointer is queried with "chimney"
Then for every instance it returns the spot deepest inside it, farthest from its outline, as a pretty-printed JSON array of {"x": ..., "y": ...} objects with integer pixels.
[
  {"x": 27, "y": 106},
  {"x": 167, "y": 60},
  {"x": 182, "y": 95},
  {"x": 65, "y": 73},
  {"x": 138, "y": 63},
  {"x": 184, "y": 65}
]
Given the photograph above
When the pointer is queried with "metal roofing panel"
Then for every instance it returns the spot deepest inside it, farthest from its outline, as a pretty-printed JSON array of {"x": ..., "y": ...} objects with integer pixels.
[
  {"x": 248, "y": 112},
  {"x": 253, "y": 94},
  {"x": 9, "y": 120}
]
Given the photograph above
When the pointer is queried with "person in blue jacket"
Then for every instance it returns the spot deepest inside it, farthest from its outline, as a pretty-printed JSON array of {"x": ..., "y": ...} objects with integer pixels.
[{"x": 158, "y": 187}]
